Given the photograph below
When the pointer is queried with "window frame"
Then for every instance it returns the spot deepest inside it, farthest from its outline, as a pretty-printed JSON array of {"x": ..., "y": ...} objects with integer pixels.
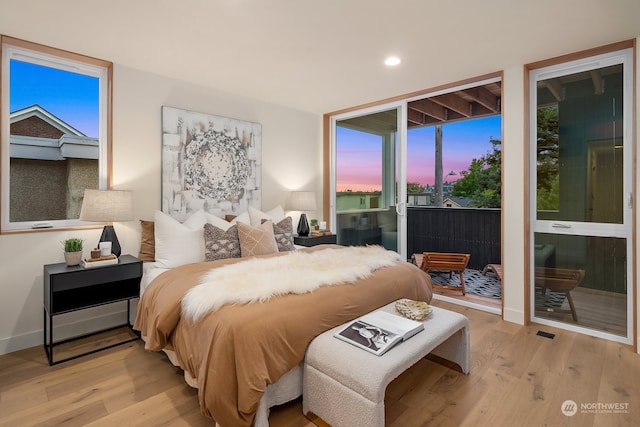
[
  {"x": 622, "y": 53},
  {"x": 12, "y": 48}
]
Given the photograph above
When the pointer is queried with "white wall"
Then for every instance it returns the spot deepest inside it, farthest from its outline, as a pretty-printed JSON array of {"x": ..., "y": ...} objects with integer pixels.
[
  {"x": 291, "y": 160},
  {"x": 513, "y": 188}
]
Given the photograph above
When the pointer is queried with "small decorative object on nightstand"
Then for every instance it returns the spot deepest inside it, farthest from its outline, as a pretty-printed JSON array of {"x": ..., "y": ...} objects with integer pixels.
[
  {"x": 68, "y": 289},
  {"x": 72, "y": 251}
]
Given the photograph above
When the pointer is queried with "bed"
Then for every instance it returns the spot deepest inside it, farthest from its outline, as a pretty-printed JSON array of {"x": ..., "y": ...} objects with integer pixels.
[{"x": 245, "y": 358}]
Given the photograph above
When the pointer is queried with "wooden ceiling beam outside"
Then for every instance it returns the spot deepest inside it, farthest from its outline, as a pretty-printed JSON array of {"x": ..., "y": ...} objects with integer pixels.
[
  {"x": 481, "y": 110},
  {"x": 484, "y": 97},
  {"x": 415, "y": 117},
  {"x": 596, "y": 78},
  {"x": 555, "y": 87},
  {"x": 454, "y": 103},
  {"x": 428, "y": 107}
]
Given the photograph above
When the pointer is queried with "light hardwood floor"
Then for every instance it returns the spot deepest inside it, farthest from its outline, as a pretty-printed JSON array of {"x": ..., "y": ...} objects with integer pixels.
[
  {"x": 517, "y": 379},
  {"x": 598, "y": 310}
]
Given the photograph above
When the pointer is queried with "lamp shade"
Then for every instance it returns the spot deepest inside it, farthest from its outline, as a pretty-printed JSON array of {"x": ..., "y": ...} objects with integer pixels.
[
  {"x": 302, "y": 201},
  {"x": 107, "y": 206}
]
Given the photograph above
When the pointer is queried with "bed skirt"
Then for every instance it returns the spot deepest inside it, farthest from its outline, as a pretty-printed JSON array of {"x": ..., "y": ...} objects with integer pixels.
[{"x": 286, "y": 389}]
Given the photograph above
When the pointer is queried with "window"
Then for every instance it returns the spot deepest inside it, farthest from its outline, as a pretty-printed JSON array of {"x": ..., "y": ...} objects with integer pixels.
[
  {"x": 581, "y": 190},
  {"x": 55, "y": 133}
]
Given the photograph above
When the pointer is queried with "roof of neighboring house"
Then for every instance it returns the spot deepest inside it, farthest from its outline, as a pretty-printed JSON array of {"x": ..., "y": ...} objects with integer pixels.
[
  {"x": 463, "y": 202},
  {"x": 37, "y": 134},
  {"x": 41, "y": 113}
]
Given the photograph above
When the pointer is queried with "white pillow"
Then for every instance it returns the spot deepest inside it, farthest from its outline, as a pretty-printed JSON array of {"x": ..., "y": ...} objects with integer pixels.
[
  {"x": 178, "y": 244},
  {"x": 197, "y": 219},
  {"x": 243, "y": 217},
  {"x": 256, "y": 216},
  {"x": 218, "y": 222}
]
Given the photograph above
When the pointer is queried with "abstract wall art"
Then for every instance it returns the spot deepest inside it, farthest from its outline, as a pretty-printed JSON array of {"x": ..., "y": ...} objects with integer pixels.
[{"x": 209, "y": 162}]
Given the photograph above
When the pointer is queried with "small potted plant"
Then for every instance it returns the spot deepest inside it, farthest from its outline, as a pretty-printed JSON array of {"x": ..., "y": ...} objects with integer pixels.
[
  {"x": 72, "y": 251},
  {"x": 314, "y": 224}
]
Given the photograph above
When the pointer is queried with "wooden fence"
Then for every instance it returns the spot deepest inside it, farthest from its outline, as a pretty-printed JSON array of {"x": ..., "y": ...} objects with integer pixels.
[{"x": 471, "y": 231}]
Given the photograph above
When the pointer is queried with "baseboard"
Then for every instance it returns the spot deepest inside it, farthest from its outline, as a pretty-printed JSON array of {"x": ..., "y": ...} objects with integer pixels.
[
  {"x": 63, "y": 331},
  {"x": 514, "y": 316},
  {"x": 464, "y": 303}
]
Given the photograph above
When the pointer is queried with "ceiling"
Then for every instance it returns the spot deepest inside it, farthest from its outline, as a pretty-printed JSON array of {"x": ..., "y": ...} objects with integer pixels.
[{"x": 324, "y": 56}]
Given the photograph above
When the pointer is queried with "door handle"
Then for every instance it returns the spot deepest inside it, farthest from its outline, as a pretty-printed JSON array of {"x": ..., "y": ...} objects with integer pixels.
[
  {"x": 400, "y": 208},
  {"x": 560, "y": 225}
]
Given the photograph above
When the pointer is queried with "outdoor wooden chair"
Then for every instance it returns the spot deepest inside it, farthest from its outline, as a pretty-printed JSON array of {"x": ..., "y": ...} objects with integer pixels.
[
  {"x": 495, "y": 268},
  {"x": 441, "y": 261},
  {"x": 561, "y": 280}
]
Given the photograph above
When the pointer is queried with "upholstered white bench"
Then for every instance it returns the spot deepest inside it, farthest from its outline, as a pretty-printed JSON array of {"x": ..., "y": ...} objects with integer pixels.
[{"x": 345, "y": 386}]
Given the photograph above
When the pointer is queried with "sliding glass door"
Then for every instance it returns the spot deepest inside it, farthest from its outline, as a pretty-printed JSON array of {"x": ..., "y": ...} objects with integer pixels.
[
  {"x": 581, "y": 195},
  {"x": 367, "y": 183}
]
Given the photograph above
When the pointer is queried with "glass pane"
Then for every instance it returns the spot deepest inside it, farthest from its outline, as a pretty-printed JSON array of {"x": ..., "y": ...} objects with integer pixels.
[
  {"x": 366, "y": 180},
  {"x": 469, "y": 157},
  {"x": 569, "y": 271},
  {"x": 54, "y": 141},
  {"x": 580, "y": 147}
]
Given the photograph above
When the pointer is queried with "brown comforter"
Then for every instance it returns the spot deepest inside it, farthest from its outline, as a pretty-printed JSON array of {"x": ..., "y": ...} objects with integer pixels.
[{"x": 235, "y": 352}]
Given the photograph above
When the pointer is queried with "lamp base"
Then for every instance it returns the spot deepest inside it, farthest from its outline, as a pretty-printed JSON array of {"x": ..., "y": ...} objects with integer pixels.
[
  {"x": 109, "y": 235},
  {"x": 303, "y": 226}
]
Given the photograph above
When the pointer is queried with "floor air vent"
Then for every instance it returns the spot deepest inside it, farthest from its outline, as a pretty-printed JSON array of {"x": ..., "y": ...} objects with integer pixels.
[{"x": 546, "y": 334}]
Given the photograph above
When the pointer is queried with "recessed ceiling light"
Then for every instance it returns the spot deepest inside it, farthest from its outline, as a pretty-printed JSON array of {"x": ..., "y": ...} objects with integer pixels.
[{"x": 392, "y": 61}]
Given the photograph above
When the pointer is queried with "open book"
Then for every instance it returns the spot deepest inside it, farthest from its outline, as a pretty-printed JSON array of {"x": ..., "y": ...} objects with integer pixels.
[{"x": 378, "y": 331}]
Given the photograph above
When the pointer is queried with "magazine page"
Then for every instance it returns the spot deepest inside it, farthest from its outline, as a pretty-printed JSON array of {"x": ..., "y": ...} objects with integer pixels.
[
  {"x": 368, "y": 337},
  {"x": 393, "y": 323}
]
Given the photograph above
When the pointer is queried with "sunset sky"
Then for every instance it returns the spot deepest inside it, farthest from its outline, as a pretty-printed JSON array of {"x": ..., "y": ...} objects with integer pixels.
[{"x": 360, "y": 157}]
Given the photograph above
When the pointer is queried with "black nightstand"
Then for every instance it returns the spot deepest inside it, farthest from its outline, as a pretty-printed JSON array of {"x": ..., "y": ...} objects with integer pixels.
[
  {"x": 312, "y": 241},
  {"x": 68, "y": 289}
]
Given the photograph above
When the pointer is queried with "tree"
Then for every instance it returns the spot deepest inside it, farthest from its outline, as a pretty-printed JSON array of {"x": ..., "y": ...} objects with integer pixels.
[
  {"x": 548, "y": 200},
  {"x": 547, "y": 151},
  {"x": 415, "y": 187},
  {"x": 481, "y": 183}
]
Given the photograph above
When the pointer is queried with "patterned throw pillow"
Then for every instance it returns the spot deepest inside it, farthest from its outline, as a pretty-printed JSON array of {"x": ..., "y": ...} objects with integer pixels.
[
  {"x": 257, "y": 240},
  {"x": 283, "y": 232},
  {"x": 221, "y": 244}
]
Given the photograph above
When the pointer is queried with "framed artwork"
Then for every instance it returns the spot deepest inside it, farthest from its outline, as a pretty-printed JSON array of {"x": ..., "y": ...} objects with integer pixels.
[{"x": 209, "y": 162}]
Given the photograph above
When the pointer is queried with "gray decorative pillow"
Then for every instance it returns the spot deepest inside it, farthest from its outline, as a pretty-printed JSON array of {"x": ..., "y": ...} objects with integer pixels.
[
  {"x": 283, "y": 232},
  {"x": 220, "y": 244}
]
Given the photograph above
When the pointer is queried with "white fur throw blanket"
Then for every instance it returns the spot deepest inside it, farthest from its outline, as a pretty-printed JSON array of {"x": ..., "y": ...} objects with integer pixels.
[{"x": 258, "y": 279}]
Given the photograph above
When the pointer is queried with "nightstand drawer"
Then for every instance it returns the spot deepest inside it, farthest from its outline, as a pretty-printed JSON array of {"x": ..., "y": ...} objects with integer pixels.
[{"x": 94, "y": 276}]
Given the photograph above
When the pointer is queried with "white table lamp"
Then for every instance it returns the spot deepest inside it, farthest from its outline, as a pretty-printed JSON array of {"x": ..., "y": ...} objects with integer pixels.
[{"x": 107, "y": 206}]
